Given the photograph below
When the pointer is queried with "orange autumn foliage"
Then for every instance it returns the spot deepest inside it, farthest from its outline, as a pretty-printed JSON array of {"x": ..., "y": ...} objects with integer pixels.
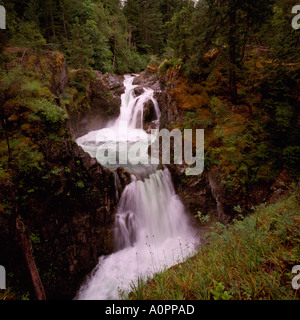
[{"x": 191, "y": 97}]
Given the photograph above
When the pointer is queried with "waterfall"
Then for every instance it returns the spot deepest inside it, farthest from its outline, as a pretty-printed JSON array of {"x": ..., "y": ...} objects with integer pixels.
[{"x": 152, "y": 230}]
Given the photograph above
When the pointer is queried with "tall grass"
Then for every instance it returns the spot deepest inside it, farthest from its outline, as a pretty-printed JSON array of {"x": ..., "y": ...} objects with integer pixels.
[{"x": 250, "y": 259}]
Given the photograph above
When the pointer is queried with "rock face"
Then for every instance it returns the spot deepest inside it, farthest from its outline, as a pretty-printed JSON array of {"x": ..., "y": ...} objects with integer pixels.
[
  {"x": 206, "y": 193},
  {"x": 101, "y": 104},
  {"x": 138, "y": 91},
  {"x": 149, "y": 115},
  {"x": 148, "y": 78},
  {"x": 74, "y": 232},
  {"x": 67, "y": 206},
  {"x": 70, "y": 224},
  {"x": 59, "y": 73},
  {"x": 203, "y": 193}
]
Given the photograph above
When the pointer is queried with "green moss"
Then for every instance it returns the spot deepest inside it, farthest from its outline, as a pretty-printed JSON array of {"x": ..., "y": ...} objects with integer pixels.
[{"x": 26, "y": 155}]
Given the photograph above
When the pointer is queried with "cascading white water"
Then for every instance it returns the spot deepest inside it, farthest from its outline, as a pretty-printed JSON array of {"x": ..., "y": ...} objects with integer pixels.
[
  {"x": 152, "y": 230},
  {"x": 132, "y": 108}
]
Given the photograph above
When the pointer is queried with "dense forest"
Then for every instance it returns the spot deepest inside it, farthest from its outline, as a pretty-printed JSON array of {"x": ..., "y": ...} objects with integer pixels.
[
  {"x": 229, "y": 67},
  {"x": 210, "y": 41}
]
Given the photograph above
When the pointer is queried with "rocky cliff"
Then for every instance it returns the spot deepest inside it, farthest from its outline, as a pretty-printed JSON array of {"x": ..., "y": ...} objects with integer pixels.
[
  {"x": 63, "y": 199},
  {"x": 97, "y": 103},
  {"x": 205, "y": 193}
]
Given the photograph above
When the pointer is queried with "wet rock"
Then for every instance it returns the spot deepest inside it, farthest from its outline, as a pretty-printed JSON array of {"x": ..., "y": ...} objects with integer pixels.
[
  {"x": 115, "y": 82},
  {"x": 102, "y": 103},
  {"x": 147, "y": 78},
  {"x": 149, "y": 113},
  {"x": 138, "y": 91},
  {"x": 104, "y": 99}
]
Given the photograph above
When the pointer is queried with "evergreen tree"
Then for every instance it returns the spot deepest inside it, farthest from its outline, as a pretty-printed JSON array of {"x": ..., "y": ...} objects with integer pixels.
[
  {"x": 229, "y": 25},
  {"x": 181, "y": 36},
  {"x": 145, "y": 25},
  {"x": 80, "y": 49},
  {"x": 285, "y": 41},
  {"x": 168, "y": 9}
]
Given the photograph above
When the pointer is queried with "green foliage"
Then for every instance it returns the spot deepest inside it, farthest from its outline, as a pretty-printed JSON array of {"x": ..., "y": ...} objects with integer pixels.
[
  {"x": 218, "y": 107},
  {"x": 168, "y": 64},
  {"x": 219, "y": 293},
  {"x": 80, "y": 49},
  {"x": 51, "y": 114},
  {"x": 285, "y": 41},
  {"x": 203, "y": 219},
  {"x": 26, "y": 156},
  {"x": 280, "y": 104},
  {"x": 80, "y": 184},
  {"x": 154, "y": 61},
  {"x": 29, "y": 36},
  {"x": 180, "y": 27},
  {"x": 248, "y": 260},
  {"x": 102, "y": 56},
  {"x": 12, "y": 294},
  {"x": 146, "y": 26},
  {"x": 35, "y": 239}
]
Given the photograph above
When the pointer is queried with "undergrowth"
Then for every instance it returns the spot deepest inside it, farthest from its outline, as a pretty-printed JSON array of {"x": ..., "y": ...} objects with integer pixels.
[{"x": 250, "y": 259}]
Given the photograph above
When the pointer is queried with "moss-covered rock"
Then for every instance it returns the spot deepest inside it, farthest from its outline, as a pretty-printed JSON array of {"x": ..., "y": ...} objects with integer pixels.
[{"x": 93, "y": 102}]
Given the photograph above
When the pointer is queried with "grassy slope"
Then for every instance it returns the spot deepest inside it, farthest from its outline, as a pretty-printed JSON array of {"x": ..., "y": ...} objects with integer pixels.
[{"x": 250, "y": 259}]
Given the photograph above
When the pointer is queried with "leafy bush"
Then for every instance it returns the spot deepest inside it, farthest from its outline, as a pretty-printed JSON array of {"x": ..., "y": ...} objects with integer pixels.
[
  {"x": 218, "y": 107},
  {"x": 203, "y": 219},
  {"x": 51, "y": 114},
  {"x": 29, "y": 36},
  {"x": 154, "y": 61},
  {"x": 168, "y": 64},
  {"x": 136, "y": 61},
  {"x": 26, "y": 156}
]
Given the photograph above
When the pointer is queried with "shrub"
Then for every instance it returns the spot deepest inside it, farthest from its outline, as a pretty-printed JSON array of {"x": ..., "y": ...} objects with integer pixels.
[
  {"x": 250, "y": 259},
  {"x": 168, "y": 64},
  {"x": 136, "y": 61},
  {"x": 154, "y": 61},
  {"x": 25, "y": 155},
  {"x": 50, "y": 114}
]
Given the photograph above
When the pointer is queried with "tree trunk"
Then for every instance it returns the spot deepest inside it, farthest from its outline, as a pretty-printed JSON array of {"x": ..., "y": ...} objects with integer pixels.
[
  {"x": 27, "y": 251},
  {"x": 3, "y": 124},
  {"x": 52, "y": 23},
  {"x": 114, "y": 49},
  {"x": 65, "y": 26}
]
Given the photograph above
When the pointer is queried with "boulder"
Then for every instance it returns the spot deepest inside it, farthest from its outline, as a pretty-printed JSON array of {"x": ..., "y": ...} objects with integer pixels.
[
  {"x": 149, "y": 114},
  {"x": 138, "y": 91}
]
